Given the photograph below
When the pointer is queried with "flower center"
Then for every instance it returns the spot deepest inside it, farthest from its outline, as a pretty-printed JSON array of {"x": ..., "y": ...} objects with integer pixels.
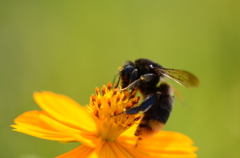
[{"x": 107, "y": 108}]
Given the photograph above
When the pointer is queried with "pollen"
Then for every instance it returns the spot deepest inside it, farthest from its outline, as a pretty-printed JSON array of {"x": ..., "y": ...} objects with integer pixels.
[{"x": 107, "y": 110}]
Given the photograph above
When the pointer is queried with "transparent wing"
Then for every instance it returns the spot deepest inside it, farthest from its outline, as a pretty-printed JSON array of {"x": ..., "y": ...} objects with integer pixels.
[{"x": 182, "y": 77}]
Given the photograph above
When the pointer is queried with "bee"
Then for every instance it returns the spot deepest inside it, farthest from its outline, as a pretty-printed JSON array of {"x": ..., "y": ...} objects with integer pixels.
[{"x": 144, "y": 76}]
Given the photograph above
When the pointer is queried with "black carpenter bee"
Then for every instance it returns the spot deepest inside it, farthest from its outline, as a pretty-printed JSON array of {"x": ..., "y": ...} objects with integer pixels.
[{"x": 144, "y": 75}]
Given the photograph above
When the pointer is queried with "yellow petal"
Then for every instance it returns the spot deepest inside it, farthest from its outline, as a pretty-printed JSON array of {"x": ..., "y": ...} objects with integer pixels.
[
  {"x": 131, "y": 151},
  {"x": 30, "y": 123},
  {"x": 84, "y": 137},
  {"x": 81, "y": 151},
  {"x": 39, "y": 124},
  {"x": 104, "y": 150},
  {"x": 130, "y": 132},
  {"x": 119, "y": 152},
  {"x": 128, "y": 136},
  {"x": 65, "y": 111},
  {"x": 163, "y": 145}
]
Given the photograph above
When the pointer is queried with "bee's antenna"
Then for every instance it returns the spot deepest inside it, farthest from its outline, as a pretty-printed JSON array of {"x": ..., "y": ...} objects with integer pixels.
[{"x": 114, "y": 79}]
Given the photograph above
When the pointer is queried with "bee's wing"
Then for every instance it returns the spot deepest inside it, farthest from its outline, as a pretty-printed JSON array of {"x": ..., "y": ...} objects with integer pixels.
[{"x": 182, "y": 77}]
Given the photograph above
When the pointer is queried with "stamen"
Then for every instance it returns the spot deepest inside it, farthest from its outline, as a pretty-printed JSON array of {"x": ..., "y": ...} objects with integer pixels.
[
  {"x": 125, "y": 96},
  {"x": 132, "y": 94},
  {"x": 114, "y": 92},
  {"x": 135, "y": 101},
  {"x": 137, "y": 118},
  {"x": 99, "y": 103},
  {"x": 95, "y": 112},
  {"x": 129, "y": 105},
  {"x": 97, "y": 90},
  {"x": 93, "y": 98},
  {"x": 109, "y": 86},
  {"x": 109, "y": 111},
  {"x": 116, "y": 112},
  {"x": 130, "y": 124},
  {"x": 103, "y": 90},
  {"x": 118, "y": 98}
]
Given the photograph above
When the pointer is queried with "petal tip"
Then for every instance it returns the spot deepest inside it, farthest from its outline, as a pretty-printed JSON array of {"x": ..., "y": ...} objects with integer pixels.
[{"x": 36, "y": 94}]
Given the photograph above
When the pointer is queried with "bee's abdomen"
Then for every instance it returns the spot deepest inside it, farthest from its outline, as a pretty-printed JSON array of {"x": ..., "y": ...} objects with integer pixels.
[
  {"x": 157, "y": 115},
  {"x": 148, "y": 127}
]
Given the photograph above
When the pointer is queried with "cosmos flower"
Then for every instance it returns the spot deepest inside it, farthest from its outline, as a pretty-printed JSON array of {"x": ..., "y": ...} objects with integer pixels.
[{"x": 102, "y": 134}]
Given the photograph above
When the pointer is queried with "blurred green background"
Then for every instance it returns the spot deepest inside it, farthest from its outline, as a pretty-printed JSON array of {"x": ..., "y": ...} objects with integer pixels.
[{"x": 70, "y": 47}]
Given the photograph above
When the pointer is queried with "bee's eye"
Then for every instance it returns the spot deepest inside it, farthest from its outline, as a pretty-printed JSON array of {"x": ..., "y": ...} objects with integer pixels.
[
  {"x": 151, "y": 66},
  {"x": 128, "y": 69}
]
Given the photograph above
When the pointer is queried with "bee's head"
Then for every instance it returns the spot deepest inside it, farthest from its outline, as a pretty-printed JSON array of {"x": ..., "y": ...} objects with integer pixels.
[{"x": 126, "y": 69}]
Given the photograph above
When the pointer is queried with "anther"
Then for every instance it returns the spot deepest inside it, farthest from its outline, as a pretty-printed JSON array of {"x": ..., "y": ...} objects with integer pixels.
[
  {"x": 97, "y": 90},
  {"x": 96, "y": 113},
  {"x": 129, "y": 105},
  {"x": 117, "y": 112},
  {"x": 99, "y": 103},
  {"x": 137, "y": 118},
  {"x": 93, "y": 98},
  {"x": 114, "y": 92},
  {"x": 130, "y": 124},
  {"x": 109, "y": 86},
  {"x": 125, "y": 96},
  {"x": 109, "y": 101},
  {"x": 133, "y": 94},
  {"x": 135, "y": 100},
  {"x": 103, "y": 90},
  {"x": 118, "y": 98}
]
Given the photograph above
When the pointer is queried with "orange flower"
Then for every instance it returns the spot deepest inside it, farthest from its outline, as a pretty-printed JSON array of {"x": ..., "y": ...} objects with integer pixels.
[{"x": 102, "y": 134}]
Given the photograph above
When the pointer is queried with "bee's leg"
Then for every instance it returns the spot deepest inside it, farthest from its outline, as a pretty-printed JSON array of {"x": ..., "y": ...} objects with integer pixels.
[
  {"x": 125, "y": 73},
  {"x": 133, "y": 77},
  {"x": 144, "y": 79},
  {"x": 144, "y": 106},
  {"x": 134, "y": 84},
  {"x": 136, "y": 145},
  {"x": 130, "y": 111}
]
